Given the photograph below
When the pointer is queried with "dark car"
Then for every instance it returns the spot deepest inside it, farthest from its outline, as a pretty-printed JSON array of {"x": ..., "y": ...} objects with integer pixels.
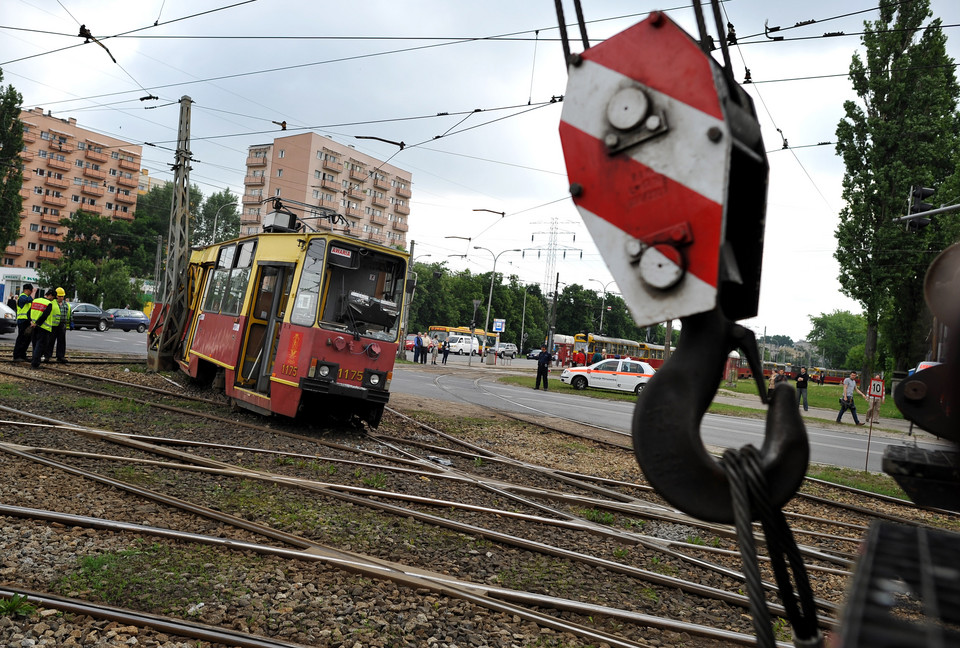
[
  {"x": 533, "y": 354},
  {"x": 90, "y": 316},
  {"x": 126, "y": 319}
]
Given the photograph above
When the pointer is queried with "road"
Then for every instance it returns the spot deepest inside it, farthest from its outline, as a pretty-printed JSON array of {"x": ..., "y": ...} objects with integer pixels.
[{"x": 830, "y": 444}]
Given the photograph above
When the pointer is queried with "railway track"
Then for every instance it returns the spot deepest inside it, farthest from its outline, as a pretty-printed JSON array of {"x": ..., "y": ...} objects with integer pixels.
[{"x": 450, "y": 523}]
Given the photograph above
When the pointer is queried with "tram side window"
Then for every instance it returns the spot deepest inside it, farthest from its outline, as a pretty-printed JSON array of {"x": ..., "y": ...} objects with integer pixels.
[
  {"x": 304, "y": 310},
  {"x": 228, "y": 281}
]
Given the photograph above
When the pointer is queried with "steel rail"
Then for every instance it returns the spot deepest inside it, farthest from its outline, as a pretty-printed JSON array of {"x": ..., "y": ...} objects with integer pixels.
[
  {"x": 383, "y": 569},
  {"x": 143, "y": 619},
  {"x": 645, "y": 575}
]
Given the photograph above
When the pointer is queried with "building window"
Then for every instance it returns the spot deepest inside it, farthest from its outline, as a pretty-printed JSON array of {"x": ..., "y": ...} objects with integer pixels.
[
  {"x": 282, "y": 153},
  {"x": 81, "y": 146},
  {"x": 44, "y": 135},
  {"x": 37, "y": 209},
  {"x": 31, "y": 264},
  {"x": 35, "y": 228},
  {"x": 31, "y": 246},
  {"x": 277, "y": 193},
  {"x": 38, "y": 190},
  {"x": 279, "y": 173},
  {"x": 316, "y": 174}
]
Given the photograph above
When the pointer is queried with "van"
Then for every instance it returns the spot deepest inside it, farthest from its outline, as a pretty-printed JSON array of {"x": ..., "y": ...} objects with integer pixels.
[{"x": 461, "y": 344}]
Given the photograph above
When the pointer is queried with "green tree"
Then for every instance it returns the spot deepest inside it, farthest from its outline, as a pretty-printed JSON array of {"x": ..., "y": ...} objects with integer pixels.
[
  {"x": 150, "y": 228},
  {"x": 903, "y": 132},
  {"x": 11, "y": 166},
  {"x": 219, "y": 211},
  {"x": 835, "y": 334}
]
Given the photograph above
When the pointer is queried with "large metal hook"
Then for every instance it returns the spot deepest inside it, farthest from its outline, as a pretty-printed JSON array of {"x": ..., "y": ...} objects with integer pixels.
[{"x": 666, "y": 423}]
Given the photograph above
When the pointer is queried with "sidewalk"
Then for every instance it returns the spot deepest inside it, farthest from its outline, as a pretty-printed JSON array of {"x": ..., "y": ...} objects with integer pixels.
[{"x": 893, "y": 426}]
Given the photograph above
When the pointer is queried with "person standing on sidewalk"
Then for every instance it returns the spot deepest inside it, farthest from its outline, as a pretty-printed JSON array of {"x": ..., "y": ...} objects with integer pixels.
[
  {"x": 543, "y": 367},
  {"x": 803, "y": 380},
  {"x": 847, "y": 402}
]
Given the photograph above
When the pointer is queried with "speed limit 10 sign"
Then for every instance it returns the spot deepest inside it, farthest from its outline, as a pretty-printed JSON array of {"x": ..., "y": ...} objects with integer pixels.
[{"x": 876, "y": 388}]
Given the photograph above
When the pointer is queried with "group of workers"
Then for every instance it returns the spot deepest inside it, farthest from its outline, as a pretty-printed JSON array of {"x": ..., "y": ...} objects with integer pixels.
[{"x": 44, "y": 322}]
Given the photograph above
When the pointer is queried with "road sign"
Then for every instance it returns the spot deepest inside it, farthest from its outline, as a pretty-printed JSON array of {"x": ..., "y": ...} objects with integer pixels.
[
  {"x": 499, "y": 325},
  {"x": 876, "y": 388}
]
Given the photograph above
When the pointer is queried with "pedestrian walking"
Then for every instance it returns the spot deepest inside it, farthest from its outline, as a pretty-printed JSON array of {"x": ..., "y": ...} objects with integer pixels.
[
  {"x": 24, "y": 332},
  {"x": 846, "y": 401},
  {"x": 873, "y": 412},
  {"x": 803, "y": 380},
  {"x": 543, "y": 367},
  {"x": 44, "y": 313}
]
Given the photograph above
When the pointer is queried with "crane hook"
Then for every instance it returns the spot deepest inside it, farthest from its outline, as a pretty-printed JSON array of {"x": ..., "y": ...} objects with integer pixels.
[{"x": 666, "y": 423}]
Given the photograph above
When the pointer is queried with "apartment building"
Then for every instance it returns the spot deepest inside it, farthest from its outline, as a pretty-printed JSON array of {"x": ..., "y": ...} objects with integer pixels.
[
  {"x": 68, "y": 168},
  {"x": 308, "y": 168}
]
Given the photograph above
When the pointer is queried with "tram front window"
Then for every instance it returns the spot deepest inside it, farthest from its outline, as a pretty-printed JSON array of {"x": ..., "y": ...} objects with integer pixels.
[{"x": 364, "y": 294}]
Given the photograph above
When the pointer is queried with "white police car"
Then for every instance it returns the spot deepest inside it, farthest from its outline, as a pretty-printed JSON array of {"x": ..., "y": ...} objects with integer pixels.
[{"x": 620, "y": 375}]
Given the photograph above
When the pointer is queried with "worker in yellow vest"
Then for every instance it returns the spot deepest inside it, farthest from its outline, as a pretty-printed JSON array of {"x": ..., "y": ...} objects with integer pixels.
[
  {"x": 44, "y": 315},
  {"x": 23, "y": 324},
  {"x": 60, "y": 331}
]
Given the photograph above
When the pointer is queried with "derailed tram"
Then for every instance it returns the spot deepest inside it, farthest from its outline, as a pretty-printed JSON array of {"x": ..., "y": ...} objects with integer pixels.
[{"x": 296, "y": 323}]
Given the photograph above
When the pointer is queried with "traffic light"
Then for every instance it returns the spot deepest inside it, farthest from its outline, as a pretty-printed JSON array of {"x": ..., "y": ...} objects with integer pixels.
[{"x": 918, "y": 196}]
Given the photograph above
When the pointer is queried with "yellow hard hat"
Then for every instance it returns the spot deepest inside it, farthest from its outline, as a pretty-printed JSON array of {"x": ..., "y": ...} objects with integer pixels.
[{"x": 61, "y": 292}]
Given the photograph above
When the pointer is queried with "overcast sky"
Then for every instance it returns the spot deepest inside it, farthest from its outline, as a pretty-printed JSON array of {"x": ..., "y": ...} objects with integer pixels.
[{"x": 417, "y": 72}]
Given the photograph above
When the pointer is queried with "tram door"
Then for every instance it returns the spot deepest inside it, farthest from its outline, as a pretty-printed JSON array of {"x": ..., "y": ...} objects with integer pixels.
[{"x": 267, "y": 308}]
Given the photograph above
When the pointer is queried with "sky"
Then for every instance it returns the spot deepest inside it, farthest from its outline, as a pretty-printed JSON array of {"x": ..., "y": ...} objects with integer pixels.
[{"x": 472, "y": 89}]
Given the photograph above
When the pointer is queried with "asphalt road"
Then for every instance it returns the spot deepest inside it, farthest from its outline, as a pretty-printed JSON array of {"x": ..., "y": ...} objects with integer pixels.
[{"x": 831, "y": 444}]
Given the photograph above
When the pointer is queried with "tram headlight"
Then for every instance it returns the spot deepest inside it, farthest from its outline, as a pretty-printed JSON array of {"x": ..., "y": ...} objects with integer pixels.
[
  {"x": 374, "y": 380},
  {"x": 323, "y": 371}
]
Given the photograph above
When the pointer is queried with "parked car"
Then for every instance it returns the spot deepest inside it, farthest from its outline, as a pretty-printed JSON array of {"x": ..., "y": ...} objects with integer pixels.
[
  {"x": 620, "y": 375},
  {"x": 533, "y": 354},
  {"x": 8, "y": 319},
  {"x": 126, "y": 319},
  {"x": 410, "y": 342},
  {"x": 461, "y": 344},
  {"x": 90, "y": 316},
  {"x": 508, "y": 350},
  {"x": 926, "y": 364}
]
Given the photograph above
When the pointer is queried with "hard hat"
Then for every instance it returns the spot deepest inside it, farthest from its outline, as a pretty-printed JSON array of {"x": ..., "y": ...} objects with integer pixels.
[{"x": 61, "y": 292}]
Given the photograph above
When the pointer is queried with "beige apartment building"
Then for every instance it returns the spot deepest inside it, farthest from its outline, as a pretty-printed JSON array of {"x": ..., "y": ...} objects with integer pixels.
[
  {"x": 68, "y": 168},
  {"x": 308, "y": 168}
]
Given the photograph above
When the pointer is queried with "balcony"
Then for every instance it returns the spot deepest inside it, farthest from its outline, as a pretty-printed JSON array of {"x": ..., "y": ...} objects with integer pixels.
[
  {"x": 356, "y": 192},
  {"x": 379, "y": 201},
  {"x": 29, "y": 138},
  {"x": 373, "y": 237},
  {"x": 254, "y": 181},
  {"x": 26, "y": 156},
  {"x": 249, "y": 219},
  {"x": 62, "y": 147},
  {"x": 333, "y": 165},
  {"x": 251, "y": 200},
  {"x": 128, "y": 199},
  {"x": 256, "y": 161},
  {"x": 333, "y": 185},
  {"x": 54, "y": 201},
  {"x": 381, "y": 183},
  {"x": 378, "y": 220},
  {"x": 402, "y": 209},
  {"x": 130, "y": 166},
  {"x": 92, "y": 190},
  {"x": 329, "y": 200},
  {"x": 59, "y": 165},
  {"x": 400, "y": 226},
  {"x": 96, "y": 174},
  {"x": 53, "y": 256},
  {"x": 127, "y": 182},
  {"x": 358, "y": 174},
  {"x": 403, "y": 192},
  {"x": 91, "y": 209},
  {"x": 13, "y": 250},
  {"x": 48, "y": 236},
  {"x": 90, "y": 154},
  {"x": 25, "y": 193},
  {"x": 127, "y": 216},
  {"x": 50, "y": 218},
  {"x": 355, "y": 212},
  {"x": 52, "y": 181}
]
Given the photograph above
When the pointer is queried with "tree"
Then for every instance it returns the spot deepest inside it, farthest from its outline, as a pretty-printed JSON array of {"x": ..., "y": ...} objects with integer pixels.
[
  {"x": 152, "y": 225},
  {"x": 836, "y": 334},
  {"x": 11, "y": 166},
  {"x": 219, "y": 211},
  {"x": 903, "y": 133}
]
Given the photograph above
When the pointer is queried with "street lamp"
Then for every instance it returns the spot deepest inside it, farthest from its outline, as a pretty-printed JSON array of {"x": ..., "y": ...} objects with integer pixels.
[
  {"x": 493, "y": 274},
  {"x": 603, "y": 302},
  {"x": 422, "y": 256},
  {"x": 213, "y": 233}
]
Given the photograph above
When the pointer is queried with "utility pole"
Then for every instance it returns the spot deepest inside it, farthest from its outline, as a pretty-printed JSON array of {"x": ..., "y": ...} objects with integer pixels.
[
  {"x": 162, "y": 343},
  {"x": 553, "y": 319}
]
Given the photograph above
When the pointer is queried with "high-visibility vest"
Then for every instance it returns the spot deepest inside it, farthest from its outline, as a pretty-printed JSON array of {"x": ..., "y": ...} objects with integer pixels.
[
  {"x": 23, "y": 312},
  {"x": 36, "y": 310},
  {"x": 54, "y": 316}
]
